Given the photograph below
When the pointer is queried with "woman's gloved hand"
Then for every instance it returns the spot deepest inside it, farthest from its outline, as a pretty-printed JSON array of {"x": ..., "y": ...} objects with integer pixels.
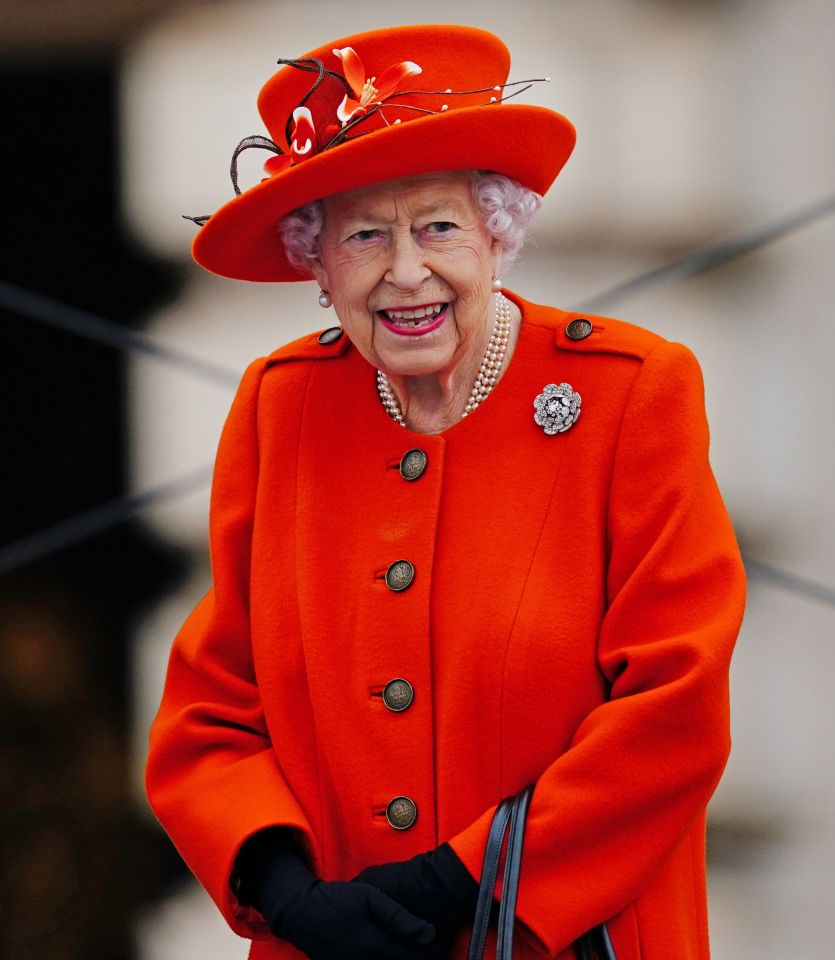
[
  {"x": 328, "y": 920},
  {"x": 434, "y": 885}
]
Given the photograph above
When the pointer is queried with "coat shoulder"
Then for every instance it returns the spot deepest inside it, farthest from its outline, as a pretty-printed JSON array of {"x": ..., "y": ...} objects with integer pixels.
[
  {"x": 287, "y": 371},
  {"x": 324, "y": 344},
  {"x": 593, "y": 333}
]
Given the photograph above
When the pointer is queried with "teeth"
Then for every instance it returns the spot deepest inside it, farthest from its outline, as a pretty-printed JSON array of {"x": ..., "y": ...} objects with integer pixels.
[{"x": 418, "y": 313}]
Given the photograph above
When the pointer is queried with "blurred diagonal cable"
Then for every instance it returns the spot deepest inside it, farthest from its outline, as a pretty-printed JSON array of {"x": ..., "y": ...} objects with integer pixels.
[
  {"x": 91, "y": 522},
  {"x": 35, "y": 306},
  {"x": 715, "y": 255},
  {"x": 789, "y": 581},
  {"x": 96, "y": 520}
]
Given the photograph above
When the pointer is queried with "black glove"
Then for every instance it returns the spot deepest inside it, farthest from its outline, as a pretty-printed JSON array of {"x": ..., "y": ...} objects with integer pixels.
[
  {"x": 434, "y": 885},
  {"x": 327, "y": 920}
]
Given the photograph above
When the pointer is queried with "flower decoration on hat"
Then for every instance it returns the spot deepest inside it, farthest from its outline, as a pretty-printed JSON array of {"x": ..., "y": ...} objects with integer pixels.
[
  {"x": 557, "y": 408},
  {"x": 369, "y": 91},
  {"x": 303, "y": 143}
]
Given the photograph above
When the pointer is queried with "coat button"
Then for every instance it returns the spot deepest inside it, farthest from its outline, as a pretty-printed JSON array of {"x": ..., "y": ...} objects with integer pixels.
[
  {"x": 331, "y": 335},
  {"x": 401, "y": 812},
  {"x": 398, "y": 694},
  {"x": 578, "y": 329},
  {"x": 413, "y": 464},
  {"x": 399, "y": 575}
]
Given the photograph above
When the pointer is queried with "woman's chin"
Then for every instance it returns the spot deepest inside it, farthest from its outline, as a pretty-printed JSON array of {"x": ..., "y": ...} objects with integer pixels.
[
  {"x": 424, "y": 366},
  {"x": 407, "y": 357}
]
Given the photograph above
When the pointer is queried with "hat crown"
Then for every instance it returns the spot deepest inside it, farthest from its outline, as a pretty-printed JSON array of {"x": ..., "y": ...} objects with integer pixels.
[{"x": 453, "y": 60}]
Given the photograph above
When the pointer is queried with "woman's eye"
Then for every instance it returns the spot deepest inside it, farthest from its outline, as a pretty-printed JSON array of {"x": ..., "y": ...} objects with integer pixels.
[
  {"x": 440, "y": 226},
  {"x": 362, "y": 235}
]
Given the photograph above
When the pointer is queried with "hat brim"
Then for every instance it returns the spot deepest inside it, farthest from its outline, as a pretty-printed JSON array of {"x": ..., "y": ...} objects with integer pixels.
[{"x": 530, "y": 144}]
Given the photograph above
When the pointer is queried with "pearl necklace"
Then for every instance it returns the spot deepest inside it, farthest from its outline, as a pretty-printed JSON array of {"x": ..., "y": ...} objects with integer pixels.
[{"x": 488, "y": 372}]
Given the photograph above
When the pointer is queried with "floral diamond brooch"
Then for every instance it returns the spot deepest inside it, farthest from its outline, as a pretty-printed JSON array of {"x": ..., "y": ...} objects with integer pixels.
[{"x": 557, "y": 408}]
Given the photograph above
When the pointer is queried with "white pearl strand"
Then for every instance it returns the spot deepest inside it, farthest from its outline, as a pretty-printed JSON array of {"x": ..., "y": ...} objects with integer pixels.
[{"x": 488, "y": 372}]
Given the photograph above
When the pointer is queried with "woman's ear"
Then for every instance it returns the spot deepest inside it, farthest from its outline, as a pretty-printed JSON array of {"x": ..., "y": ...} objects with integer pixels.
[
  {"x": 317, "y": 268},
  {"x": 496, "y": 251}
]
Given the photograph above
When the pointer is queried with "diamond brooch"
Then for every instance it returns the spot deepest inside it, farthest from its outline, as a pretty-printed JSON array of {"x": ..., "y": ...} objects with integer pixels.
[{"x": 557, "y": 408}]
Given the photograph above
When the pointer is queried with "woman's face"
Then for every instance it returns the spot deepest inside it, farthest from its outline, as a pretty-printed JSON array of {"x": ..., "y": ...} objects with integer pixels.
[{"x": 409, "y": 264}]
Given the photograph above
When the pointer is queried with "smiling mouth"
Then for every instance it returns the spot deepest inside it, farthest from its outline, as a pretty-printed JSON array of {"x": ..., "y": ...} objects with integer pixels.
[{"x": 414, "y": 317}]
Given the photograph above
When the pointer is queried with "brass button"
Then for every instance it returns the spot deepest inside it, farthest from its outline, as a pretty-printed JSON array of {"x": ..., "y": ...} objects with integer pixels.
[
  {"x": 331, "y": 335},
  {"x": 401, "y": 812},
  {"x": 400, "y": 575},
  {"x": 413, "y": 464},
  {"x": 398, "y": 694},
  {"x": 578, "y": 329}
]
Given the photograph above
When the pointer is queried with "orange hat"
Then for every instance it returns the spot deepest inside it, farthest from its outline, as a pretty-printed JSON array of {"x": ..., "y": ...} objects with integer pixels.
[{"x": 378, "y": 106}]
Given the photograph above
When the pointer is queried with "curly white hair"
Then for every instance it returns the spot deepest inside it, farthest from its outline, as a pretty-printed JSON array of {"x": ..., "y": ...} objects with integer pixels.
[{"x": 505, "y": 207}]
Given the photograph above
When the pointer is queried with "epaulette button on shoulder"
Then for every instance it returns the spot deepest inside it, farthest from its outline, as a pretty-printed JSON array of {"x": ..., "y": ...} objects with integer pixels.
[
  {"x": 331, "y": 335},
  {"x": 578, "y": 329}
]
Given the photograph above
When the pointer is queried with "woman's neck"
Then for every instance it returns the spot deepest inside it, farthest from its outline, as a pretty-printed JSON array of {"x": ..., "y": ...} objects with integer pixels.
[{"x": 433, "y": 403}]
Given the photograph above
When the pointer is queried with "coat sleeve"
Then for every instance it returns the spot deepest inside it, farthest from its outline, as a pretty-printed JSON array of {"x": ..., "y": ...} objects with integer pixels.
[
  {"x": 212, "y": 777},
  {"x": 641, "y": 766}
]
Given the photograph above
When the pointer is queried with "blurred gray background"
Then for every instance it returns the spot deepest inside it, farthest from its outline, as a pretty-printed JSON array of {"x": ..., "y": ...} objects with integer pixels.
[{"x": 697, "y": 122}]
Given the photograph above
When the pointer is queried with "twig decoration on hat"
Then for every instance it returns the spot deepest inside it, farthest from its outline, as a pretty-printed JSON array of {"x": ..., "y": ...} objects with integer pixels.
[
  {"x": 333, "y": 123},
  {"x": 257, "y": 141}
]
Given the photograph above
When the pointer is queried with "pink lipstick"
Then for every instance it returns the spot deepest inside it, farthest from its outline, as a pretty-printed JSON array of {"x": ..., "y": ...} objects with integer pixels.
[{"x": 414, "y": 321}]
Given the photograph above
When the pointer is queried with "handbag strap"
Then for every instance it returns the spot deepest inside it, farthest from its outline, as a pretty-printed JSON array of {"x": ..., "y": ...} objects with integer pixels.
[
  {"x": 512, "y": 811},
  {"x": 489, "y": 870},
  {"x": 512, "y": 868}
]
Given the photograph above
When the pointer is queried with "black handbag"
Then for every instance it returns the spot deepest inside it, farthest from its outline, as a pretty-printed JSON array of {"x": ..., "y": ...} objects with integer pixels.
[{"x": 594, "y": 945}]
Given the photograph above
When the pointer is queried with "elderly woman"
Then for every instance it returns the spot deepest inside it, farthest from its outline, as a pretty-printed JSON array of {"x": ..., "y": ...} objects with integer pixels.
[{"x": 437, "y": 577}]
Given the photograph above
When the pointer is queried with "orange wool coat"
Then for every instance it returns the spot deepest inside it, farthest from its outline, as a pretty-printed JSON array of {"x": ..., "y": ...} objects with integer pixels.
[{"x": 575, "y": 602}]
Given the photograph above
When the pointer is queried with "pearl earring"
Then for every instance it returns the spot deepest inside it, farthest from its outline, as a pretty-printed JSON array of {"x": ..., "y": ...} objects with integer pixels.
[
  {"x": 497, "y": 284},
  {"x": 325, "y": 299}
]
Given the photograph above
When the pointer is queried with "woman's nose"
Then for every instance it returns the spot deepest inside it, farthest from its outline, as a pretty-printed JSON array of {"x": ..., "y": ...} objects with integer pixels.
[{"x": 407, "y": 269}]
